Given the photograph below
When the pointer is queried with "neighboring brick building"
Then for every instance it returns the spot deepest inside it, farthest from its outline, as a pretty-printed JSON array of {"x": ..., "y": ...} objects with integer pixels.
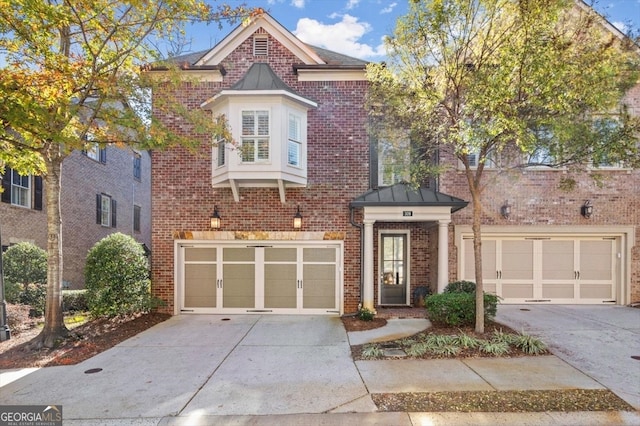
[
  {"x": 297, "y": 115},
  {"x": 88, "y": 178}
]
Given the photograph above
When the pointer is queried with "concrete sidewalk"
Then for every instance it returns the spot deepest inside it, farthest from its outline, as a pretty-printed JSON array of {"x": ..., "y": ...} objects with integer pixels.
[{"x": 252, "y": 369}]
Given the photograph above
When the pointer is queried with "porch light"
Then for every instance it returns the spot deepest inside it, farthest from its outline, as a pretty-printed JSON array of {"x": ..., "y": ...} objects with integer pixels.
[
  {"x": 587, "y": 209},
  {"x": 505, "y": 210},
  {"x": 297, "y": 220},
  {"x": 215, "y": 218}
]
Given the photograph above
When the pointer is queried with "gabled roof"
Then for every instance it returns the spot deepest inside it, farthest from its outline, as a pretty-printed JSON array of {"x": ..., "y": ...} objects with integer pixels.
[{"x": 403, "y": 194}]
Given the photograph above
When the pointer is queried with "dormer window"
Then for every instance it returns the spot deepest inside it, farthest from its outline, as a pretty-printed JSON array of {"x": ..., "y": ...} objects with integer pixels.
[{"x": 260, "y": 45}]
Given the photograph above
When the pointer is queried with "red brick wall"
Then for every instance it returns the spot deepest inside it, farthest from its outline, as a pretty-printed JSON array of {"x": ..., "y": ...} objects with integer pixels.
[{"x": 337, "y": 157}]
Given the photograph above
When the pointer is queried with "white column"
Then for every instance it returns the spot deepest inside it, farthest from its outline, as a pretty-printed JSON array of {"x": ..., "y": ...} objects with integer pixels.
[
  {"x": 443, "y": 254},
  {"x": 367, "y": 268}
]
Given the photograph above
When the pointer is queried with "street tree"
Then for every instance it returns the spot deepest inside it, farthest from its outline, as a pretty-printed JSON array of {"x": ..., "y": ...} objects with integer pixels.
[
  {"x": 71, "y": 75},
  {"x": 507, "y": 81}
]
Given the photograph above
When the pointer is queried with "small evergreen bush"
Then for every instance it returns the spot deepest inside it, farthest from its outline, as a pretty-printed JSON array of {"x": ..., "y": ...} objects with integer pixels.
[
  {"x": 460, "y": 287},
  {"x": 25, "y": 276},
  {"x": 458, "y": 309},
  {"x": 74, "y": 301},
  {"x": 365, "y": 314},
  {"x": 117, "y": 277}
]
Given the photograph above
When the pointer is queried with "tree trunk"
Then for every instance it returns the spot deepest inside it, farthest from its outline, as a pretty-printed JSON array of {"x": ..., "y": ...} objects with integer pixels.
[
  {"x": 54, "y": 328},
  {"x": 477, "y": 255}
]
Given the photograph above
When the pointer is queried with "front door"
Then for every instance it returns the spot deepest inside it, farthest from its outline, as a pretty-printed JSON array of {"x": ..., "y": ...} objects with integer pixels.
[{"x": 393, "y": 269}]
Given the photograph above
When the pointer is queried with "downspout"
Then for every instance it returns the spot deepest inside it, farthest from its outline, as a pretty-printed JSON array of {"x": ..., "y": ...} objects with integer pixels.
[{"x": 361, "y": 228}]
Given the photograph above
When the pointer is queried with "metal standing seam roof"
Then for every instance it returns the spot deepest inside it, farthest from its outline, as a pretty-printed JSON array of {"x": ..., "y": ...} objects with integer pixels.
[{"x": 403, "y": 194}]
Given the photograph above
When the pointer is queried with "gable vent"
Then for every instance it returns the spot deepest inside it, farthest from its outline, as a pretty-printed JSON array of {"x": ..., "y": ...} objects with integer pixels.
[{"x": 260, "y": 46}]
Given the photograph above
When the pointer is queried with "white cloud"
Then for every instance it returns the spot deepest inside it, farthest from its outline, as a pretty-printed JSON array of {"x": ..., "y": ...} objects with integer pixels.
[
  {"x": 352, "y": 3},
  {"x": 298, "y": 3},
  {"x": 389, "y": 8},
  {"x": 342, "y": 37}
]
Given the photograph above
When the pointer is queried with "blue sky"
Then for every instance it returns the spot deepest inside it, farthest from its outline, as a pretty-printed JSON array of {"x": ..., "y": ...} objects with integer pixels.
[{"x": 356, "y": 27}]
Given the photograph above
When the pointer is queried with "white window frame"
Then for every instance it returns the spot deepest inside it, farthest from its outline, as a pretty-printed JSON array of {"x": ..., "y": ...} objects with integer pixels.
[
  {"x": 294, "y": 140},
  {"x": 105, "y": 209},
  {"x": 221, "y": 159},
  {"x": 20, "y": 190},
  {"x": 252, "y": 142}
]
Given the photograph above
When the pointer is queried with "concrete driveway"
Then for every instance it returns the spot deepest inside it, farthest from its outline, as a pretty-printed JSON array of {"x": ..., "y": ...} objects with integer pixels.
[{"x": 598, "y": 340}]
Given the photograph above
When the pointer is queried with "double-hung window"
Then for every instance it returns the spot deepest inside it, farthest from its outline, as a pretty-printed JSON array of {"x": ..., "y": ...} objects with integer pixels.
[
  {"x": 105, "y": 210},
  {"x": 20, "y": 189},
  {"x": 294, "y": 147},
  {"x": 255, "y": 136},
  {"x": 137, "y": 166}
]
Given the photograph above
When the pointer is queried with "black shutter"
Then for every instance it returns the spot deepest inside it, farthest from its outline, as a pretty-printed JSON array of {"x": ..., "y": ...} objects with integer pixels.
[
  {"x": 103, "y": 155},
  {"x": 373, "y": 162},
  {"x": 37, "y": 193},
  {"x": 113, "y": 213},
  {"x": 6, "y": 185},
  {"x": 99, "y": 209}
]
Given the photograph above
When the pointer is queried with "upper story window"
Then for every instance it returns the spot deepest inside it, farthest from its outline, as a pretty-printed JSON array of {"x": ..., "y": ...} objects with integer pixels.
[
  {"x": 222, "y": 157},
  {"x": 260, "y": 45},
  {"x": 136, "y": 218},
  {"x": 137, "y": 166},
  {"x": 393, "y": 161},
  {"x": 490, "y": 160},
  {"x": 105, "y": 210},
  {"x": 294, "y": 148},
  {"x": 255, "y": 136},
  {"x": 22, "y": 190},
  {"x": 540, "y": 157},
  {"x": 95, "y": 152}
]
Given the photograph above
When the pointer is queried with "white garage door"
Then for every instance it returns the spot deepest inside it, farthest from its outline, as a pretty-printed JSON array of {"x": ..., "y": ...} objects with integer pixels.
[
  {"x": 264, "y": 278},
  {"x": 541, "y": 269}
]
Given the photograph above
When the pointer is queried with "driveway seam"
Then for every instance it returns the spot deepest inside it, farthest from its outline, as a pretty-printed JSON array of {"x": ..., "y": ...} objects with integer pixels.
[{"x": 218, "y": 367}]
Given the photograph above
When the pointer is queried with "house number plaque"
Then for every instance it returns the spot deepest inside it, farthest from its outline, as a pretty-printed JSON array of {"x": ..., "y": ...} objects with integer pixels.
[{"x": 407, "y": 213}]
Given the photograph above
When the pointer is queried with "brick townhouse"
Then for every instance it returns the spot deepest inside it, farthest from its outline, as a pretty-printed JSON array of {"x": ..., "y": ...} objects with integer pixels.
[
  {"x": 104, "y": 190},
  {"x": 307, "y": 213}
]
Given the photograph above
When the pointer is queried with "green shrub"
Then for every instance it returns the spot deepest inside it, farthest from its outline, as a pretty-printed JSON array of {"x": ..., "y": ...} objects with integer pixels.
[
  {"x": 74, "y": 301},
  {"x": 458, "y": 309},
  {"x": 365, "y": 314},
  {"x": 117, "y": 277},
  {"x": 460, "y": 287},
  {"x": 25, "y": 276}
]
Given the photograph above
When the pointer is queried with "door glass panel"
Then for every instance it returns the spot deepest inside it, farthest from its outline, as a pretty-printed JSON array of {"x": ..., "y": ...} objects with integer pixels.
[
  {"x": 517, "y": 261},
  {"x": 393, "y": 269},
  {"x": 319, "y": 290},
  {"x": 200, "y": 286}
]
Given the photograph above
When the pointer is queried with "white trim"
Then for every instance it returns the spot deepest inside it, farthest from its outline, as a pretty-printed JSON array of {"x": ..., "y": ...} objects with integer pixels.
[
  {"x": 331, "y": 75},
  {"x": 399, "y": 214},
  {"x": 273, "y": 28},
  {"x": 209, "y": 103}
]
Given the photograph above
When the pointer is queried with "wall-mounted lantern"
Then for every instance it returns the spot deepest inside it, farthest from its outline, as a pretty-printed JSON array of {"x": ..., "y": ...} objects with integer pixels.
[{"x": 215, "y": 218}]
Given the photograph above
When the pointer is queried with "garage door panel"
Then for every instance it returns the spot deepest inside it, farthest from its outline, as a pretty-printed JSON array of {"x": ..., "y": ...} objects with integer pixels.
[
  {"x": 239, "y": 286},
  {"x": 280, "y": 286},
  {"x": 200, "y": 286},
  {"x": 557, "y": 261},
  {"x": 517, "y": 260},
  {"x": 319, "y": 287},
  {"x": 595, "y": 260},
  {"x": 319, "y": 255},
  {"x": 488, "y": 258},
  {"x": 558, "y": 291},
  {"x": 595, "y": 291},
  {"x": 517, "y": 291}
]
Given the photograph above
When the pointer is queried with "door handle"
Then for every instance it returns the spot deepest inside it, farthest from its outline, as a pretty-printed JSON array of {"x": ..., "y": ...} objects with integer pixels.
[{"x": 578, "y": 274}]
